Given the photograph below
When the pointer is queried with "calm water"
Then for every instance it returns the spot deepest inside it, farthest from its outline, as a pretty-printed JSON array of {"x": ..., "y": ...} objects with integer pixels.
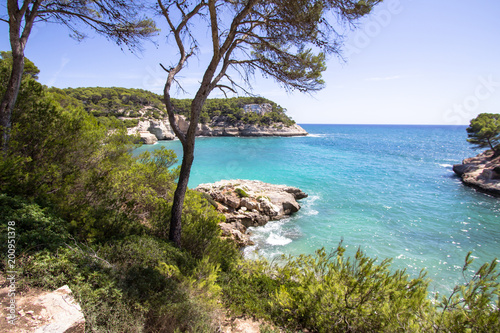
[{"x": 387, "y": 189}]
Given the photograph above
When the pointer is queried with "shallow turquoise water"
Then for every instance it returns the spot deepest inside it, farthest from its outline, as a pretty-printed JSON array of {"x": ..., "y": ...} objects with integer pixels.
[{"x": 388, "y": 189}]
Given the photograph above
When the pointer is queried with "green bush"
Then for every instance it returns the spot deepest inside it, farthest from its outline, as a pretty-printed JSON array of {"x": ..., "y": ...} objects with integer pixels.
[
  {"x": 138, "y": 284},
  {"x": 330, "y": 293},
  {"x": 35, "y": 227},
  {"x": 241, "y": 192}
]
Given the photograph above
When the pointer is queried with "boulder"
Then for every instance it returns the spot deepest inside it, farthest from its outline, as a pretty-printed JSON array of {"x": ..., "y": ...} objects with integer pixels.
[
  {"x": 161, "y": 130},
  {"x": 148, "y": 138},
  {"x": 64, "y": 313}
]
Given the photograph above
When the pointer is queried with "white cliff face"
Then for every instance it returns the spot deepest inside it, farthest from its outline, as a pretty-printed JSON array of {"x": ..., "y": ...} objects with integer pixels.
[
  {"x": 220, "y": 127},
  {"x": 161, "y": 129},
  {"x": 150, "y": 131}
]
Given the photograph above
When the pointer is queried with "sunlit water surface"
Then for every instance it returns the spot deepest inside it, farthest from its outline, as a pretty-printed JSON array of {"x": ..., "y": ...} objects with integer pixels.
[{"x": 387, "y": 189}]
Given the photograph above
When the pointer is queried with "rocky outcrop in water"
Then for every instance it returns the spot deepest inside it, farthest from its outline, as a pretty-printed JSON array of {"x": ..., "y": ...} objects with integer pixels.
[
  {"x": 481, "y": 172},
  {"x": 247, "y": 203}
]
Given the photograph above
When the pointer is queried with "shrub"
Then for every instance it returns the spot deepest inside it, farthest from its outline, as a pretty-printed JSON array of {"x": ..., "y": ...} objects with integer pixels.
[
  {"x": 138, "y": 284},
  {"x": 35, "y": 227},
  {"x": 241, "y": 192}
]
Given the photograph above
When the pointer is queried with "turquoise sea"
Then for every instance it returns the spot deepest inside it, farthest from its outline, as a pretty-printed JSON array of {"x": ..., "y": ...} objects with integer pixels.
[{"x": 388, "y": 189}]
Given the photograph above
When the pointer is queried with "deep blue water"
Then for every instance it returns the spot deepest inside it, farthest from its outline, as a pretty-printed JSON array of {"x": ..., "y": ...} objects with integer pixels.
[{"x": 387, "y": 189}]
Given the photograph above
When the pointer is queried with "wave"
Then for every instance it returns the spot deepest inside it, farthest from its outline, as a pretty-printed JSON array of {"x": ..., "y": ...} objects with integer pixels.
[
  {"x": 446, "y": 165},
  {"x": 275, "y": 239}
]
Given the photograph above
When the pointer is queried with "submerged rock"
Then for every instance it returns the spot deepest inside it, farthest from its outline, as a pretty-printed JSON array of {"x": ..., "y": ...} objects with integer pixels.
[
  {"x": 481, "y": 172},
  {"x": 248, "y": 203}
]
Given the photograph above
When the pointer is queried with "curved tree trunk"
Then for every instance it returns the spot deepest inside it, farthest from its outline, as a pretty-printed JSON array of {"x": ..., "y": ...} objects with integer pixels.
[
  {"x": 180, "y": 193},
  {"x": 18, "y": 38},
  {"x": 10, "y": 96}
]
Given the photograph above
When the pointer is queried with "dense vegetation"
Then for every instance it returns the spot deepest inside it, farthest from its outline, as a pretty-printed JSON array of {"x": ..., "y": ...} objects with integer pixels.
[
  {"x": 90, "y": 215},
  {"x": 231, "y": 110},
  {"x": 137, "y": 103},
  {"x": 484, "y": 131}
]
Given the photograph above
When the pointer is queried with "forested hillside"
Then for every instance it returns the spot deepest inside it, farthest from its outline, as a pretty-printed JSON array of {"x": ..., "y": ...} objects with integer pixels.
[{"x": 139, "y": 103}]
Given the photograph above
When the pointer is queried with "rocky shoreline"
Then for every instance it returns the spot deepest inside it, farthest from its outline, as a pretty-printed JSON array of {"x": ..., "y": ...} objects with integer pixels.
[
  {"x": 481, "y": 172},
  {"x": 151, "y": 131},
  {"x": 247, "y": 203}
]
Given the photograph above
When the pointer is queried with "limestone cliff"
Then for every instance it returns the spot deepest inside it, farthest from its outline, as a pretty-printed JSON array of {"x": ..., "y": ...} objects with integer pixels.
[
  {"x": 481, "y": 172},
  {"x": 151, "y": 131},
  {"x": 219, "y": 126}
]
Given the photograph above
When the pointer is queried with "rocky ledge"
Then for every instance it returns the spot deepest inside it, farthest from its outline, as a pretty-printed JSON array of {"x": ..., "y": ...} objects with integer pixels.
[
  {"x": 247, "y": 203},
  {"x": 481, "y": 172},
  {"x": 150, "y": 131},
  {"x": 220, "y": 126}
]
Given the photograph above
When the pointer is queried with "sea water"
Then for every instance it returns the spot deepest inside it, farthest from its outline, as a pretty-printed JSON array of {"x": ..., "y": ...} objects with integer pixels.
[{"x": 389, "y": 190}]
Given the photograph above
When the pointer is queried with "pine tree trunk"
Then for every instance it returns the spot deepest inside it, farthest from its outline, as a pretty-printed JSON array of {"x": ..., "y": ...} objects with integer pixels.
[
  {"x": 10, "y": 96},
  {"x": 180, "y": 192}
]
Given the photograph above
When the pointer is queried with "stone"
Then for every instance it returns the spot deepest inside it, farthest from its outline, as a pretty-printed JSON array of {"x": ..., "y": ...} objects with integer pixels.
[
  {"x": 264, "y": 202},
  {"x": 221, "y": 126},
  {"x": 479, "y": 172},
  {"x": 249, "y": 203},
  {"x": 64, "y": 312},
  {"x": 232, "y": 201},
  {"x": 148, "y": 138},
  {"x": 160, "y": 130}
]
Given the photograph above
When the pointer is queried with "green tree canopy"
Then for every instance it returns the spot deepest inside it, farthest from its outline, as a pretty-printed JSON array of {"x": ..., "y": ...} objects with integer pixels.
[
  {"x": 484, "y": 131},
  {"x": 121, "y": 21},
  {"x": 281, "y": 39}
]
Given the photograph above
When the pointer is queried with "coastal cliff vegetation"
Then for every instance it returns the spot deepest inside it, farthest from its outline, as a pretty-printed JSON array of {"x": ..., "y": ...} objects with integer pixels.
[
  {"x": 90, "y": 215},
  {"x": 131, "y": 105}
]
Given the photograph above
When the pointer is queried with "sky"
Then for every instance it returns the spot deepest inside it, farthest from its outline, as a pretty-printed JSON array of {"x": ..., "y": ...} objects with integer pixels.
[{"x": 408, "y": 62}]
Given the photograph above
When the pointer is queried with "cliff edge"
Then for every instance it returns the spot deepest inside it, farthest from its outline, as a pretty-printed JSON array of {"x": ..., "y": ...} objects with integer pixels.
[
  {"x": 481, "y": 172},
  {"x": 151, "y": 131}
]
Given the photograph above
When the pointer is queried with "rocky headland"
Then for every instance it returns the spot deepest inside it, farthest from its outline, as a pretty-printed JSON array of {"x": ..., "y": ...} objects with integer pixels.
[
  {"x": 247, "y": 203},
  {"x": 481, "y": 172},
  {"x": 151, "y": 131}
]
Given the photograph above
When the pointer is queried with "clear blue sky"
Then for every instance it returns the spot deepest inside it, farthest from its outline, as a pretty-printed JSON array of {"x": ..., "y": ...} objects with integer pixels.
[{"x": 410, "y": 62}]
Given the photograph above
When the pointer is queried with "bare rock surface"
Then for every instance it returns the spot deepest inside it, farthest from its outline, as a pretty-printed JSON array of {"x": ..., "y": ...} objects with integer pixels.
[
  {"x": 481, "y": 172},
  {"x": 44, "y": 312},
  {"x": 247, "y": 203},
  {"x": 219, "y": 126}
]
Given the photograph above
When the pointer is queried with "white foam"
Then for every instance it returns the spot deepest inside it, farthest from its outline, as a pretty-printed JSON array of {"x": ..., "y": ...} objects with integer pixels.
[
  {"x": 275, "y": 239},
  {"x": 446, "y": 165}
]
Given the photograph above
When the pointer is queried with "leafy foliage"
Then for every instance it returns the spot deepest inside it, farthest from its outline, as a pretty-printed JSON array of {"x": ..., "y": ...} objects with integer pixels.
[
  {"x": 90, "y": 215},
  {"x": 330, "y": 293},
  {"x": 126, "y": 103},
  {"x": 232, "y": 110},
  {"x": 36, "y": 227},
  {"x": 484, "y": 131}
]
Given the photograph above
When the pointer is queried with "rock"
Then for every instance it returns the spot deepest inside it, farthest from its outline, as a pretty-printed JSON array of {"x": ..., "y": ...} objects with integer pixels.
[
  {"x": 64, "y": 312},
  {"x": 220, "y": 126},
  {"x": 249, "y": 204},
  {"x": 161, "y": 130},
  {"x": 480, "y": 172},
  {"x": 231, "y": 201},
  {"x": 261, "y": 202},
  {"x": 148, "y": 138}
]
